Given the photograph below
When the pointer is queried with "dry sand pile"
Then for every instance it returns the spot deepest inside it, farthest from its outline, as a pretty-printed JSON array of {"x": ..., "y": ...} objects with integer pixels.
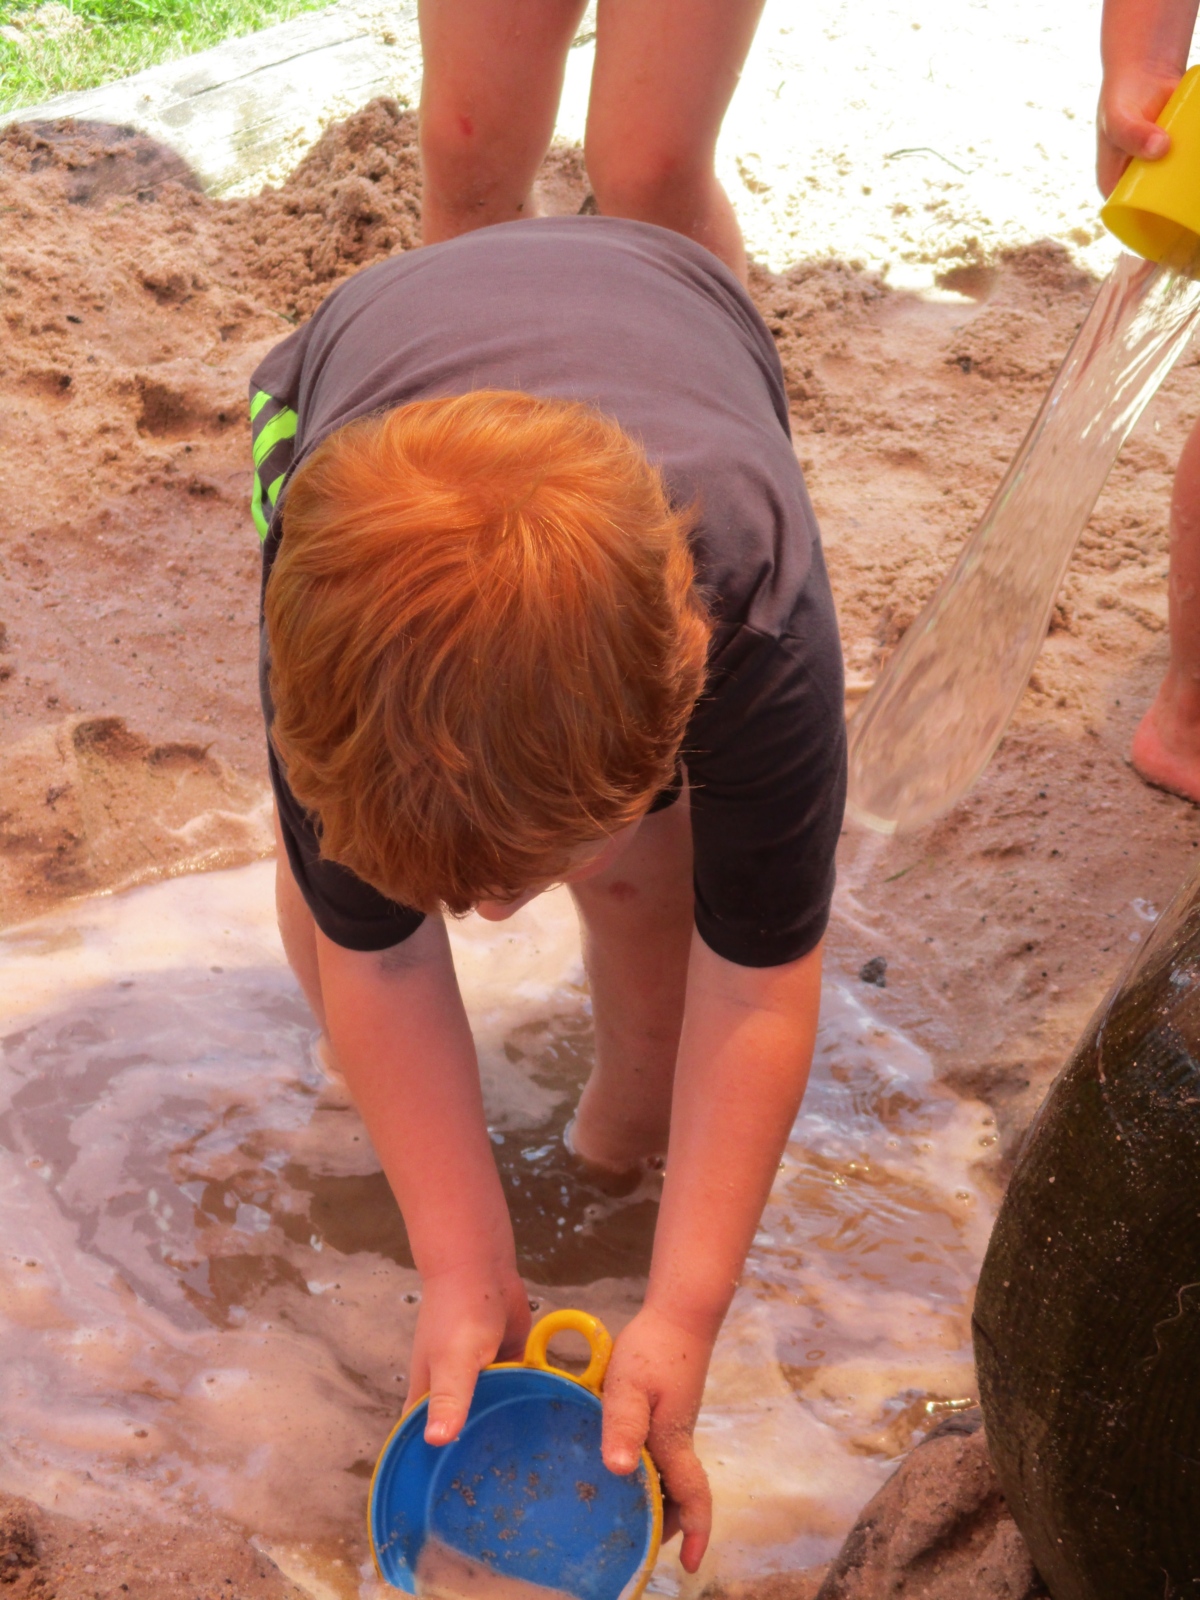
[{"x": 135, "y": 309}]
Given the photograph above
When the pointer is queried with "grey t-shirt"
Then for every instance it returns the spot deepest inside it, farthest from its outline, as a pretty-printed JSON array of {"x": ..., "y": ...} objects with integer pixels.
[{"x": 654, "y": 332}]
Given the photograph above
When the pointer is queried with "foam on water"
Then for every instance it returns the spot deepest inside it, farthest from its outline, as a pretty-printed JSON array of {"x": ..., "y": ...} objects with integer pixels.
[{"x": 206, "y": 1296}]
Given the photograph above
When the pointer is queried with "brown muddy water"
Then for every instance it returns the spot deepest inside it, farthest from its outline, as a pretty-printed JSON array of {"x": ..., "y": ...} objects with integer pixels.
[{"x": 206, "y": 1293}]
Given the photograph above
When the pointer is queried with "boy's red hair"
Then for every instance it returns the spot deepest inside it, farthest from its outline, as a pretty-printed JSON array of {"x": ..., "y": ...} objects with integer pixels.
[{"x": 485, "y": 642}]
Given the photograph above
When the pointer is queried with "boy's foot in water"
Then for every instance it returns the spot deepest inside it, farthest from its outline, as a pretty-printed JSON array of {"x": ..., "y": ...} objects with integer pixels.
[{"x": 610, "y": 1180}]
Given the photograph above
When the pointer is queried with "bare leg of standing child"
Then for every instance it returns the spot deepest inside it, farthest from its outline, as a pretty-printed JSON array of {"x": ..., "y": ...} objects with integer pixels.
[
  {"x": 664, "y": 75},
  {"x": 492, "y": 75},
  {"x": 1166, "y": 746}
]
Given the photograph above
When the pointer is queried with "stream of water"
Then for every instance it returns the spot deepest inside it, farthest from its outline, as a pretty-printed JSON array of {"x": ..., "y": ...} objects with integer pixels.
[
  {"x": 206, "y": 1294},
  {"x": 940, "y": 707}
]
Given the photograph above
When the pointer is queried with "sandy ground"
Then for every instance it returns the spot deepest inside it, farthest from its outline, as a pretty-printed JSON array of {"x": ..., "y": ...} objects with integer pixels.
[
  {"x": 925, "y": 136},
  {"x": 135, "y": 309},
  {"x": 911, "y": 139},
  {"x": 44, "y": 1556}
]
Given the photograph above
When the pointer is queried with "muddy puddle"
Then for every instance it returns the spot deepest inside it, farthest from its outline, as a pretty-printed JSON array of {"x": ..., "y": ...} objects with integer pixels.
[{"x": 206, "y": 1293}]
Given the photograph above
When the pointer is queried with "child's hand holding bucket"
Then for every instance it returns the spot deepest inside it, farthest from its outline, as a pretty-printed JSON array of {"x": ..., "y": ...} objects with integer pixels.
[
  {"x": 522, "y": 1495},
  {"x": 470, "y": 1316},
  {"x": 652, "y": 1394}
]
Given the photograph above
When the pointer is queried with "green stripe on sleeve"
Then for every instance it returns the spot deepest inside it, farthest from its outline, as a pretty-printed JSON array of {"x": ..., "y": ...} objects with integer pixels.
[
  {"x": 281, "y": 427},
  {"x": 256, "y": 509},
  {"x": 259, "y": 401},
  {"x": 262, "y": 503}
]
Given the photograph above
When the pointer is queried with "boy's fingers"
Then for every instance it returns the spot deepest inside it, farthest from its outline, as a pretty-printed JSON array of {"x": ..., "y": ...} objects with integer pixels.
[
  {"x": 686, "y": 1483},
  {"x": 626, "y": 1423},
  {"x": 447, "y": 1413},
  {"x": 691, "y": 1551},
  {"x": 1133, "y": 134},
  {"x": 451, "y": 1385},
  {"x": 1110, "y": 164},
  {"x": 1150, "y": 141},
  {"x": 513, "y": 1346},
  {"x": 418, "y": 1382},
  {"x": 1122, "y": 135}
]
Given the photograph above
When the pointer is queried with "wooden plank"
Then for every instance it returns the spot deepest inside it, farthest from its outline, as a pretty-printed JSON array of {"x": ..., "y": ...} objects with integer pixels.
[{"x": 243, "y": 113}]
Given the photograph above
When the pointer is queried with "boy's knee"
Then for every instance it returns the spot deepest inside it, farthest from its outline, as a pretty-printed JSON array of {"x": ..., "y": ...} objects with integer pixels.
[
  {"x": 475, "y": 171},
  {"x": 646, "y": 182},
  {"x": 450, "y": 140}
]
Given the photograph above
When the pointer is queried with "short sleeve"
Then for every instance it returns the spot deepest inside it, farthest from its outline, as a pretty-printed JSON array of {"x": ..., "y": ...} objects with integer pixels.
[{"x": 766, "y": 761}]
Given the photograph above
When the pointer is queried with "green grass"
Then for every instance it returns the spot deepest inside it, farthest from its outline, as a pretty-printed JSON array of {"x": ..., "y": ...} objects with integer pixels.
[{"x": 50, "y": 48}]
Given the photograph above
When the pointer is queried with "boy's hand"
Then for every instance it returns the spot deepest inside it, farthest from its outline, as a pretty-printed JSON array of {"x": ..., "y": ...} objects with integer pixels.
[
  {"x": 652, "y": 1395},
  {"x": 469, "y": 1317},
  {"x": 1125, "y": 126}
]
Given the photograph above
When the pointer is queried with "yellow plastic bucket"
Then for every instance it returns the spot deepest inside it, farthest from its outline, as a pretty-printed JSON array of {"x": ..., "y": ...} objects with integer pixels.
[{"x": 1155, "y": 207}]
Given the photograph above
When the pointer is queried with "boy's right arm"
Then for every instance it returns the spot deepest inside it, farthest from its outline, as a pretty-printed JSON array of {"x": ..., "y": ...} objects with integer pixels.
[
  {"x": 1144, "y": 48},
  {"x": 398, "y": 1028}
]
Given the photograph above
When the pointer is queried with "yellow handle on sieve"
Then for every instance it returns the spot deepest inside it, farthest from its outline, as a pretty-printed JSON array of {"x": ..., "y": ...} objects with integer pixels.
[{"x": 593, "y": 1330}]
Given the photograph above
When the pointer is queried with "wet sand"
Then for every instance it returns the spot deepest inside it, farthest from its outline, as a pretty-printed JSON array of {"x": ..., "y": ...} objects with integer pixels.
[
  {"x": 207, "y": 1301},
  {"x": 134, "y": 313}
]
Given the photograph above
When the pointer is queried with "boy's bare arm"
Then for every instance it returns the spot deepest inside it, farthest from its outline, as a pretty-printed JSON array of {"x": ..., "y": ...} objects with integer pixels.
[
  {"x": 401, "y": 1036},
  {"x": 1144, "y": 48},
  {"x": 744, "y": 1057}
]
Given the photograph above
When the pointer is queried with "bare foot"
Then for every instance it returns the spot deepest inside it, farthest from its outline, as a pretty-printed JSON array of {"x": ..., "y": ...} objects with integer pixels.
[
  {"x": 1166, "y": 749},
  {"x": 619, "y": 1173}
]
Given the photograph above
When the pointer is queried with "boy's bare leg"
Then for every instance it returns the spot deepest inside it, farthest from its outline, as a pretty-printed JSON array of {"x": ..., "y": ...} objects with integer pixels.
[
  {"x": 665, "y": 73},
  {"x": 1166, "y": 746},
  {"x": 492, "y": 77},
  {"x": 636, "y": 920},
  {"x": 298, "y": 932}
]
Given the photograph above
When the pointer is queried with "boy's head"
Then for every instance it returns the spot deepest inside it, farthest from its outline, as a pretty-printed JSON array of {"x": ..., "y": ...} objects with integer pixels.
[{"x": 485, "y": 642}]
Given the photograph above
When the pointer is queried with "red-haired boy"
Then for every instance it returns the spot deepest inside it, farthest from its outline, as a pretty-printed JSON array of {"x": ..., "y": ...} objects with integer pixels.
[{"x": 544, "y": 601}]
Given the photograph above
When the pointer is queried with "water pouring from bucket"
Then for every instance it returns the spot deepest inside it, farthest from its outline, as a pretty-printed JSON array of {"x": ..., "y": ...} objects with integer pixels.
[
  {"x": 938, "y": 710},
  {"x": 520, "y": 1506}
]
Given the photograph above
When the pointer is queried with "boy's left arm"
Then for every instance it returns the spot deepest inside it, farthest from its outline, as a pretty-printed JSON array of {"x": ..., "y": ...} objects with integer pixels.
[{"x": 744, "y": 1055}]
